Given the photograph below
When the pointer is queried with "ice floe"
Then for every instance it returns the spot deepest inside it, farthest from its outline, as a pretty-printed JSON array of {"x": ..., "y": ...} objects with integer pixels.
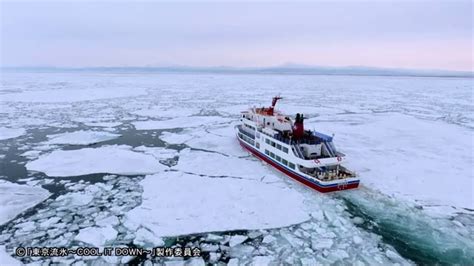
[
  {"x": 218, "y": 165},
  {"x": 97, "y": 236},
  {"x": 147, "y": 239},
  {"x": 86, "y": 214},
  {"x": 116, "y": 159},
  {"x": 180, "y": 122},
  {"x": 218, "y": 139},
  {"x": 159, "y": 153},
  {"x": 175, "y": 203},
  {"x": 82, "y": 137},
  {"x": 71, "y": 95},
  {"x": 16, "y": 198},
  {"x": 166, "y": 112},
  {"x": 103, "y": 124},
  {"x": 76, "y": 199},
  {"x": 177, "y": 138},
  {"x": 6, "y": 259},
  {"x": 31, "y": 154},
  {"x": 10, "y": 133},
  {"x": 360, "y": 110},
  {"x": 416, "y": 159}
]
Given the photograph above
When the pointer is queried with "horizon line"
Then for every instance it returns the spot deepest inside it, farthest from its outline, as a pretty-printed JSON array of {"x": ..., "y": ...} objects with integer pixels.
[{"x": 287, "y": 68}]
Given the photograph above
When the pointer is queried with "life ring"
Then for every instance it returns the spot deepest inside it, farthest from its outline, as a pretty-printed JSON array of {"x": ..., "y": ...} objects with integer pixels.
[
  {"x": 339, "y": 158},
  {"x": 317, "y": 161}
]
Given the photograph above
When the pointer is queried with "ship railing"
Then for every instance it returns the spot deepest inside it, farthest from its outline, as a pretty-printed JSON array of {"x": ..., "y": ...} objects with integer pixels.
[
  {"x": 297, "y": 150},
  {"x": 312, "y": 141},
  {"x": 282, "y": 139},
  {"x": 245, "y": 132}
]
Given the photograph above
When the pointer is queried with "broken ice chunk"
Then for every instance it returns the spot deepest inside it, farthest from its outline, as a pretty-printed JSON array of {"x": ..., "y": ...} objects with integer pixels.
[{"x": 97, "y": 236}]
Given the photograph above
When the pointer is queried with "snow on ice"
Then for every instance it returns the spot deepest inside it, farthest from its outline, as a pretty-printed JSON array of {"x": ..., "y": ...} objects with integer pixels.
[
  {"x": 409, "y": 138},
  {"x": 116, "y": 159},
  {"x": 176, "y": 203},
  {"x": 218, "y": 139},
  {"x": 180, "y": 122},
  {"x": 16, "y": 198},
  {"x": 7, "y": 259},
  {"x": 166, "y": 112},
  {"x": 175, "y": 138},
  {"x": 218, "y": 165},
  {"x": 416, "y": 159},
  {"x": 103, "y": 124},
  {"x": 159, "y": 153},
  {"x": 82, "y": 137},
  {"x": 71, "y": 95},
  {"x": 97, "y": 236},
  {"x": 10, "y": 133}
]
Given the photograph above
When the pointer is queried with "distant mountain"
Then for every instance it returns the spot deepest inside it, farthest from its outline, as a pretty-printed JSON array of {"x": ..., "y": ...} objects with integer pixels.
[
  {"x": 364, "y": 71},
  {"x": 285, "y": 69}
]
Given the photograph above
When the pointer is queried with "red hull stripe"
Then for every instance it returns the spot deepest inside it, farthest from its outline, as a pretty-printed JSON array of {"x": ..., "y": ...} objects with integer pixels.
[{"x": 299, "y": 178}]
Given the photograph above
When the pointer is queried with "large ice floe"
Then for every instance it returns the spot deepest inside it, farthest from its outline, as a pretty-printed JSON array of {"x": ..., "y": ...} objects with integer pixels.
[
  {"x": 218, "y": 165},
  {"x": 180, "y": 122},
  {"x": 16, "y": 198},
  {"x": 408, "y": 138},
  {"x": 166, "y": 111},
  {"x": 117, "y": 159},
  {"x": 294, "y": 229},
  {"x": 420, "y": 160},
  {"x": 9, "y": 133},
  {"x": 176, "y": 203},
  {"x": 218, "y": 139},
  {"x": 160, "y": 153},
  {"x": 6, "y": 259},
  {"x": 82, "y": 137},
  {"x": 70, "y": 95}
]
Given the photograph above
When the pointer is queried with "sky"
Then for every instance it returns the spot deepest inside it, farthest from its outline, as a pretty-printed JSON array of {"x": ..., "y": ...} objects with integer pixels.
[{"x": 418, "y": 34}]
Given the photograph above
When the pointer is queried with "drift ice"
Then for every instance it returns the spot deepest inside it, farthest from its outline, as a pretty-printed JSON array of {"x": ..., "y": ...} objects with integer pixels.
[{"x": 307, "y": 156}]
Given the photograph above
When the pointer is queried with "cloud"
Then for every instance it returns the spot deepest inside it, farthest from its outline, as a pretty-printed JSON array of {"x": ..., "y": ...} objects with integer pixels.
[{"x": 243, "y": 33}]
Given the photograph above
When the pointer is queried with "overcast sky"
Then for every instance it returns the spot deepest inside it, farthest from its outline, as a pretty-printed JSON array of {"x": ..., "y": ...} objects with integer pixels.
[{"x": 403, "y": 34}]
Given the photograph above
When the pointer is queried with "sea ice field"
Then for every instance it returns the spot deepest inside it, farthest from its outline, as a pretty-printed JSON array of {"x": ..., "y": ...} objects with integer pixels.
[{"x": 108, "y": 159}]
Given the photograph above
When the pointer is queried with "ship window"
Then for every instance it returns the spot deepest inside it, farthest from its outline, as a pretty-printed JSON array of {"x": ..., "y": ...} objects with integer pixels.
[
  {"x": 258, "y": 145},
  {"x": 278, "y": 158},
  {"x": 285, "y": 149},
  {"x": 272, "y": 155},
  {"x": 285, "y": 162},
  {"x": 267, "y": 152},
  {"x": 279, "y": 146},
  {"x": 267, "y": 141},
  {"x": 247, "y": 139},
  {"x": 273, "y": 144},
  {"x": 291, "y": 165}
]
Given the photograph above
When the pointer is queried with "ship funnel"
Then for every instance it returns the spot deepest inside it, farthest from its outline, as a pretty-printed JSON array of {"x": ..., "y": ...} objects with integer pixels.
[{"x": 298, "y": 127}]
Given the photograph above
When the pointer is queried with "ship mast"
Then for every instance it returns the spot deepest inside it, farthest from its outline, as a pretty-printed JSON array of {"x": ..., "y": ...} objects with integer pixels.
[{"x": 274, "y": 101}]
